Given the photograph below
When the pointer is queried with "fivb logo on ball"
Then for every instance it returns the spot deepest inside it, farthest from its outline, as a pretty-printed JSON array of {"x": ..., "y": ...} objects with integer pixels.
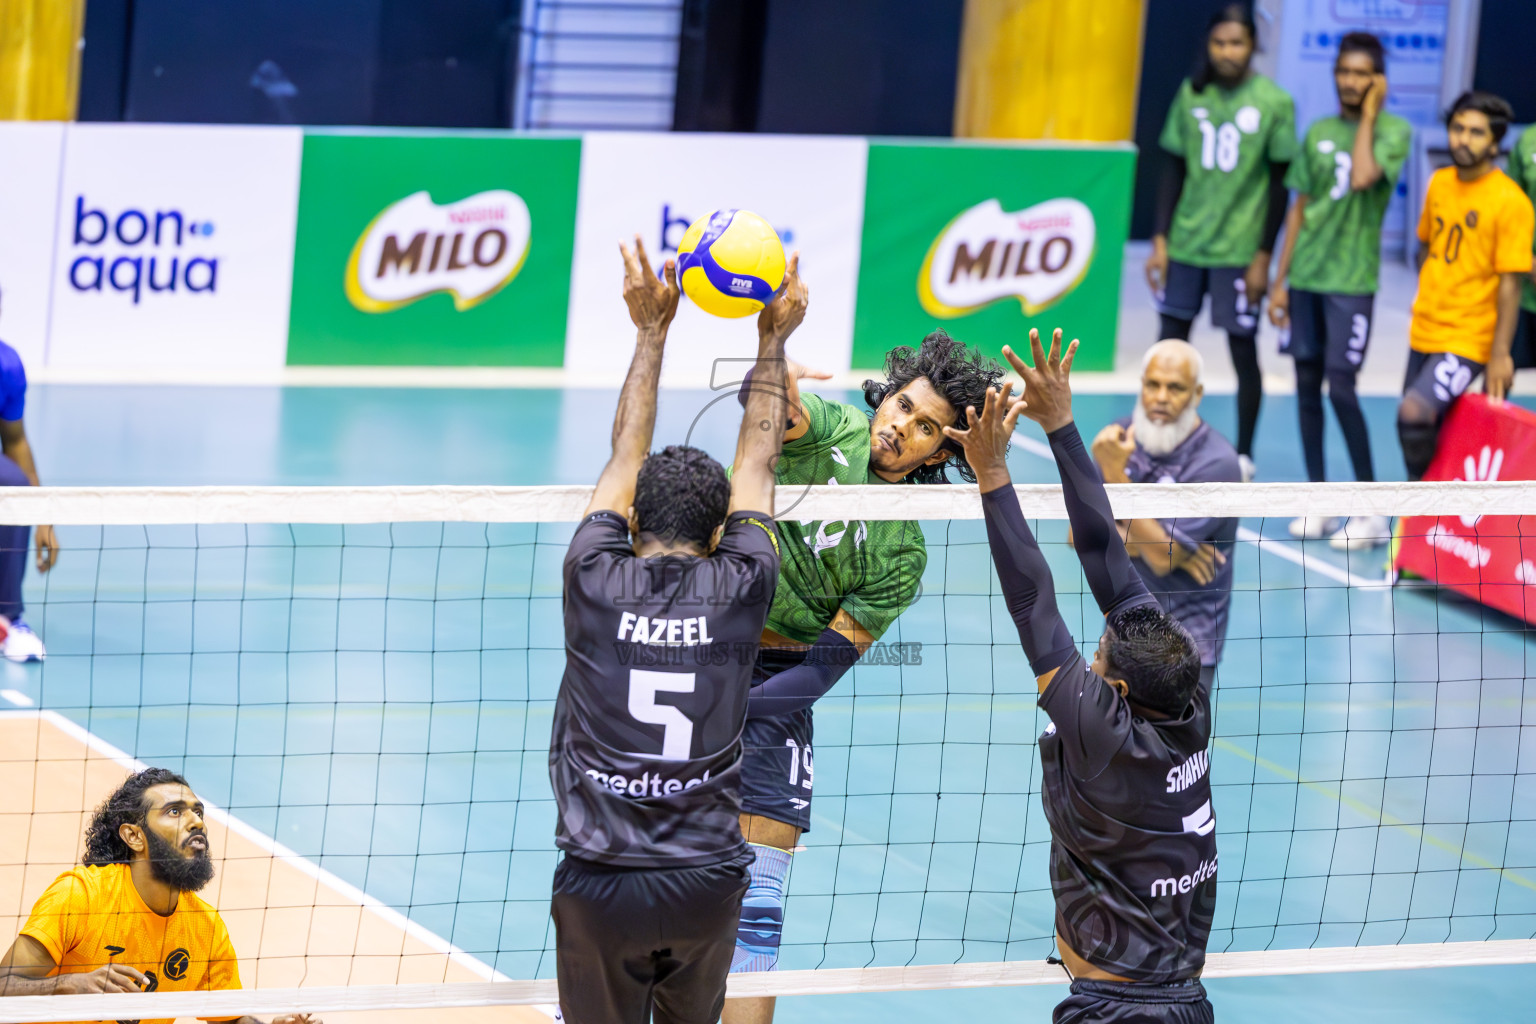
[
  {"x": 1037, "y": 255},
  {"x": 141, "y": 252},
  {"x": 470, "y": 249}
]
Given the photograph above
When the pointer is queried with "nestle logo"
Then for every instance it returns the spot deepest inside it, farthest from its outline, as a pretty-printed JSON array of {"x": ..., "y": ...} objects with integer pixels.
[{"x": 151, "y": 258}]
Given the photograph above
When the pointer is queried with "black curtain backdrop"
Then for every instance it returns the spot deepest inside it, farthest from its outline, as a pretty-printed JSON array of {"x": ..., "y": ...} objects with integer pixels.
[{"x": 447, "y": 63}]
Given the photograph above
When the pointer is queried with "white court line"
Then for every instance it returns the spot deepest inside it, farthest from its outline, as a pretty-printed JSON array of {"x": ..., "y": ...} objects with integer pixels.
[
  {"x": 1280, "y": 548},
  {"x": 822, "y": 981},
  {"x": 18, "y": 698}
]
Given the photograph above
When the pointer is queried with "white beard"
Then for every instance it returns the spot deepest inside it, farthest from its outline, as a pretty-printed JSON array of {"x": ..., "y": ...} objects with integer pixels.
[{"x": 1158, "y": 439}]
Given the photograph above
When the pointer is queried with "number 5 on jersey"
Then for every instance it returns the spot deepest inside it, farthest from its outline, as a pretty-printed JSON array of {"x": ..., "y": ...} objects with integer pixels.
[{"x": 677, "y": 737}]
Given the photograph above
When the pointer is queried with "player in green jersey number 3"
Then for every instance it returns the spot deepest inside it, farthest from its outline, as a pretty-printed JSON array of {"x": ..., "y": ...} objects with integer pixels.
[
  {"x": 1229, "y": 137},
  {"x": 1324, "y": 293}
]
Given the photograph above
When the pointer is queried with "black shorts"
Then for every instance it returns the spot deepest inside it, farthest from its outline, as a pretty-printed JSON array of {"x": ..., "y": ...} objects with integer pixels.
[
  {"x": 631, "y": 942},
  {"x": 1231, "y": 308},
  {"x": 1113, "y": 1002},
  {"x": 776, "y": 755},
  {"x": 1439, "y": 378},
  {"x": 1330, "y": 329}
]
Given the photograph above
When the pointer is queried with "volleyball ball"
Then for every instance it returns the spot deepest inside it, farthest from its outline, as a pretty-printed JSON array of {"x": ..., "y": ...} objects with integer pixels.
[{"x": 730, "y": 263}]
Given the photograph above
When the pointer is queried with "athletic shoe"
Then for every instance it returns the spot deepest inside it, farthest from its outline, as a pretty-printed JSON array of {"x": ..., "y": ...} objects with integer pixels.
[
  {"x": 21, "y": 644},
  {"x": 1315, "y": 527},
  {"x": 1362, "y": 532},
  {"x": 1249, "y": 470}
]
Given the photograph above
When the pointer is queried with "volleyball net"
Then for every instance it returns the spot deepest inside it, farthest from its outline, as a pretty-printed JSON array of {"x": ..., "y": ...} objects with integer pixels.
[{"x": 359, "y": 682}]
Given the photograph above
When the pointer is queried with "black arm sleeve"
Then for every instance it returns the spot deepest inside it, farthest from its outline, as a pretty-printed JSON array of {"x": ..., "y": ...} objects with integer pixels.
[
  {"x": 1027, "y": 585},
  {"x": 1115, "y": 583},
  {"x": 800, "y": 687},
  {"x": 1169, "y": 187},
  {"x": 1274, "y": 212}
]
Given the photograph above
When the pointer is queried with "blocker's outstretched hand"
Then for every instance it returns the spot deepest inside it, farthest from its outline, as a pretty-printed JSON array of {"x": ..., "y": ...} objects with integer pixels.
[
  {"x": 652, "y": 302},
  {"x": 986, "y": 437},
  {"x": 787, "y": 310},
  {"x": 1047, "y": 395}
]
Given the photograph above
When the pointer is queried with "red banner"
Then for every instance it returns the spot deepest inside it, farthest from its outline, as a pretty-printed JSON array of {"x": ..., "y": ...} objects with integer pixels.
[{"x": 1491, "y": 559}]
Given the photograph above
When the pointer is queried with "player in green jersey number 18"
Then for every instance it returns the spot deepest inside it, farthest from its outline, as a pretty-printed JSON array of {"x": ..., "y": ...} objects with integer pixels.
[
  {"x": 841, "y": 586},
  {"x": 1229, "y": 137},
  {"x": 1324, "y": 292},
  {"x": 1522, "y": 168}
]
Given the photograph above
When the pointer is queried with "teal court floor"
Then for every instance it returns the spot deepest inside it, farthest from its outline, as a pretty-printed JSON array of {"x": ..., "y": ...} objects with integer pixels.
[{"x": 377, "y": 698}]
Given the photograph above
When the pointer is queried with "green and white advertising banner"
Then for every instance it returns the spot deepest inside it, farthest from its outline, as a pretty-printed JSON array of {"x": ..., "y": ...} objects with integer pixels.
[
  {"x": 654, "y": 184},
  {"x": 188, "y": 252},
  {"x": 987, "y": 241},
  {"x": 433, "y": 250}
]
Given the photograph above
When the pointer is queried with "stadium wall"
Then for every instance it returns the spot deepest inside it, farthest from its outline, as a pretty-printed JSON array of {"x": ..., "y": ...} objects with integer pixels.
[{"x": 171, "y": 252}]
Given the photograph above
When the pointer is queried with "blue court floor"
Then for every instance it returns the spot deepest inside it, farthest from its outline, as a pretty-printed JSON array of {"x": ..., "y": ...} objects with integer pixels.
[{"x": 378, "y": 698}]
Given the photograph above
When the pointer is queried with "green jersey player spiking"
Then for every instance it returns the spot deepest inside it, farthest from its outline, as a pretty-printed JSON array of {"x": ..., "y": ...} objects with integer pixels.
[
  {"x": 1229, "y": 137},
  {"x": 1324, "y": 294},
  {"x": 841, "y": 586}
]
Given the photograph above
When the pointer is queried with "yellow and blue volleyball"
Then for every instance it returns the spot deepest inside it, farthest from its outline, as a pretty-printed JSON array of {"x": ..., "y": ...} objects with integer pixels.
[{"x": 730, "y": 263}]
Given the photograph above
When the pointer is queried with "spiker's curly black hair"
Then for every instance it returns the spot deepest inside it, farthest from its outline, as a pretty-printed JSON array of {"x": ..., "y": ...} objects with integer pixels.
[
  {"x": 681, "y": 495},
  {"x": 960, "y": 374},
  {"x": 127, "y": 806},
  {"x": 1156, "y": 656}
]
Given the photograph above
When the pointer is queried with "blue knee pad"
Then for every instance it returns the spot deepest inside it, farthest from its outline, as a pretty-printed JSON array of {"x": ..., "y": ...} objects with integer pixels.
[{"x": 762, "y": 912}]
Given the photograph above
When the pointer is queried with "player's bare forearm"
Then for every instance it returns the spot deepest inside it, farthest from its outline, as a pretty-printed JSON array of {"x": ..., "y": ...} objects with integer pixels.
[
  {"x": 652, "y": 303},
  {"x": 634, "y": 421},
  {"x": 1500, "y": 374},
  {"x": 762, "y": 422},
  {"x": 12, "y": 984},
  {"x": 762, "y": 431},
  {"x": 1509, "y": 313},
  {"x": 1364, "y": 171},
  {"x": 1147, "y": 540},
  {"x": 1293, "y": 218}
]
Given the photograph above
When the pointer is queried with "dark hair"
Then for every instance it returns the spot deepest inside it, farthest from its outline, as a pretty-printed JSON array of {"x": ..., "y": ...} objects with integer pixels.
[
  {"x": 1367, "y": 43},
  {"x": 960, "y": 374},
  {"x": 681, "y": 495},
  {"x": 1241, "y": 14},
  {"x": 1155, "y": 655},
  {"x": 1495, "y": 108},
  {"x": 127, "y": 806}
]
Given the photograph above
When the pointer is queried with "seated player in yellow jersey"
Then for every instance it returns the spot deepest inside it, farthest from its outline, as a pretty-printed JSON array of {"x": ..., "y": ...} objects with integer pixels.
[
  {"x": 1474, "y": 252},
  {"x": 129, "y": 919}
]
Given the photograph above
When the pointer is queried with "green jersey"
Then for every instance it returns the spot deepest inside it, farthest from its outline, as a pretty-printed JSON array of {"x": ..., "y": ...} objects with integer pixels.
[
  {"x": 1227, "y": 138},
  {"x": 1522, "y": 168},
  {"x": 870, "y": 569},
  {"x": 1338, "y": 250}
]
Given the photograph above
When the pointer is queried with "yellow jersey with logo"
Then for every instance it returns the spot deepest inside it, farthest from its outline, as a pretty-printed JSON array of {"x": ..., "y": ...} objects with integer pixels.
[
  {"x": 93, "y": 916},
  {"x": 1472, "y": 231}
]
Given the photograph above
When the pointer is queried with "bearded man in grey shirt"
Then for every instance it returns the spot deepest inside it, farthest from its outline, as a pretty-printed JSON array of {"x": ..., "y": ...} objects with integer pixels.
[{"x": 1185, "y": 562}]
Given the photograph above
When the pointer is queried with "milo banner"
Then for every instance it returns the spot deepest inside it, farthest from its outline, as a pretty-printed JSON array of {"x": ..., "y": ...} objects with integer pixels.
[
  {"x": 442, "y": 250},
  {"x": 989, "y": 241}
]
